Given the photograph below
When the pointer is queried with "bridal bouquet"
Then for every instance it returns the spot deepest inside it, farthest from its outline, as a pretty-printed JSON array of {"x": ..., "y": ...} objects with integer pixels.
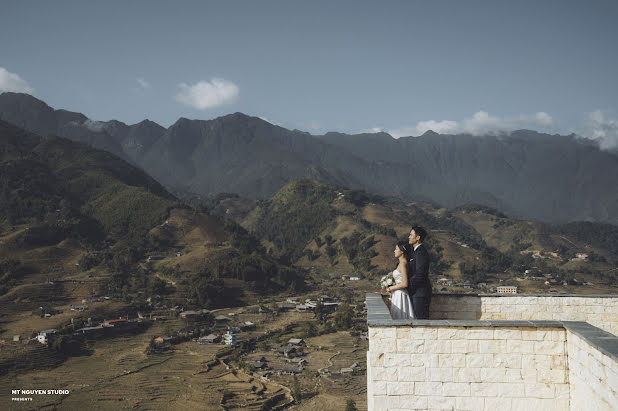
[{"x": 387, "y": 281}]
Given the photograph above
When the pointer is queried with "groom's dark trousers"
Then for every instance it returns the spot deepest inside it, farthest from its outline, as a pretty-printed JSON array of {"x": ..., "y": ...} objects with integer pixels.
[{"x": 419, "y": 286}]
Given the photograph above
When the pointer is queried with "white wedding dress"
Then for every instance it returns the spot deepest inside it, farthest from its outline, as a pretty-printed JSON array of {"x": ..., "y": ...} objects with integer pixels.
[{"x": 401, "y": 306}]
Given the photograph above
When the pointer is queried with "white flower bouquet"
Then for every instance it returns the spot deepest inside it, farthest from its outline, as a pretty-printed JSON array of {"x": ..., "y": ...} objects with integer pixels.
[{"x": 387, "y": 281}]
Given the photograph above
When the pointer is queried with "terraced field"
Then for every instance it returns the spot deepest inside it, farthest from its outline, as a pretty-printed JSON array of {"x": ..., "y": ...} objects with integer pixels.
[{"x": 119, "y": 375}]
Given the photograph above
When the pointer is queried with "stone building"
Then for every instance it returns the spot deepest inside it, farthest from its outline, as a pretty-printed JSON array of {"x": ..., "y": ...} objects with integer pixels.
[
  {"x": 495, "y": 352},
  {"x": 506, "y": 289}
]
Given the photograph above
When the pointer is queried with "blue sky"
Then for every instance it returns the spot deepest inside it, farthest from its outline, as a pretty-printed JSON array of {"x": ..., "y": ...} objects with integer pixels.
[{"x": 351, "y": 66}]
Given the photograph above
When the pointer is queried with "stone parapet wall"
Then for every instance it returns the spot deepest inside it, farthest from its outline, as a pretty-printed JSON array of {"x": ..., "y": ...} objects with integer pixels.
[
  {"x": 467, "y": 368},
  {"x": 593, "y": 376},
  {"x": 478, "y": 363},
  {"x": 600, "y": 311}
]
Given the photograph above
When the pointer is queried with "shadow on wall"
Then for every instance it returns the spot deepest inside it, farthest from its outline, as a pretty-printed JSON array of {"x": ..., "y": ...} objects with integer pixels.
[{"x": 456, "y": 307}]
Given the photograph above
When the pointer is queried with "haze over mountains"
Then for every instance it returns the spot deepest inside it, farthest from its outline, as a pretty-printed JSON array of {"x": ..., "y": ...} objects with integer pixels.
[{"x": 526, "y": 174}]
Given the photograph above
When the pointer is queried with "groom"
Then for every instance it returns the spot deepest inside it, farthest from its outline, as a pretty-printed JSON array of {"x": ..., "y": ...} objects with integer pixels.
[{"x": 419, "y": 287}]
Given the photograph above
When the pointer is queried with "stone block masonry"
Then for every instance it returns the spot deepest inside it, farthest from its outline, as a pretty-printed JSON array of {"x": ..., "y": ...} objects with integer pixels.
[
  {"x": 488, "y": 365},
  {"x": 600, "y": 311}
]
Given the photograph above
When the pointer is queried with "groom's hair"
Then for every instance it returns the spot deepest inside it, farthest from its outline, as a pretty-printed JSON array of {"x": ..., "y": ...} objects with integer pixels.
[{"x": 420, "y": 231}]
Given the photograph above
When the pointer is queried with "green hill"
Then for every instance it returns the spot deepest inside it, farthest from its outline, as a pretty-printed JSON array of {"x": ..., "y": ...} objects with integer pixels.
[
  {"x": 340, "y": 231},
  {"x": 67, "y": 189},
  {"x": 72, "y": 212}
]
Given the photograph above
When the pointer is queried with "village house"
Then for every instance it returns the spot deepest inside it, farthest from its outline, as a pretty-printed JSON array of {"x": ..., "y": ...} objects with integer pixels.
[
  {"x": 292, "y": 300},
  {"x": 185, "y": 332},
  {"x": 78, "y": 307},
  {"x": 331, "y": 306},
  {"x": 264, "y": 310},
  {"x": 209, "y": 339},
  {"x": 291, "y": 369},
  {"x": 43, "y": 336},
  {"x": 190, "y": 314},
  {"x": 310, "y": 304},
  {"x": 581, "y": 256},
  {"x": 119, "y": 322},
  {"x": 326, "y": 299},
  {"x": 301, "y": 308},
  {"x": 220, "y": 318},
  {"x": 287, "y": 350},
  {"x": 298, "y": 361},
  {"x": 258, "y": 365},
  {"x": 247, "y": 325},
  {"x": 506, "y": 289},
  {"x": 229, "y": 338},
  {"x": 92, "y": 300},
  {"x": 296, "y": 342},
  {"x": 287, "y": 306},
  {"x": 154, "y": 258}
]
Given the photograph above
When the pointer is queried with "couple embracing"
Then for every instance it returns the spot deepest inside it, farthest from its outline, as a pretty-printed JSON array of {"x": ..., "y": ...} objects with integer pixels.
[{"x": 411, "y": 293}]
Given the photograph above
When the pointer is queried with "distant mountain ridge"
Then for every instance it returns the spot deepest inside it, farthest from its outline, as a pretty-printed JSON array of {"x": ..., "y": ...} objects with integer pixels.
[{"x": 527, "y": 174}]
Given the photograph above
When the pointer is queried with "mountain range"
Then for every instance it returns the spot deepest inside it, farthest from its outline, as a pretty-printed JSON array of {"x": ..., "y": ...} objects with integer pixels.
[{"x": 525, "y": 174}]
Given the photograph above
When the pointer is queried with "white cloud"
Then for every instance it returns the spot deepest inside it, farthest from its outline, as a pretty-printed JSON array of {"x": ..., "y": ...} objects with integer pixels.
[
  {"x": 479, "y": 124},
  {"x": 143, "y": 83},
  {"x": 600, "y": 127},
  {"x": 372, "y": 130},
  {"x": 94, "y": 125},
  {"x": 204, "y": 95},
  {"x": 270, "y": 121},
  {"x": 12, "y": 82},
  {"x": 315, "y": 126}
]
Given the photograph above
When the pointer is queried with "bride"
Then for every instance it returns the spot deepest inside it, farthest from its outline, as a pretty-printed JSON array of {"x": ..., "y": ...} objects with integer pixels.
[{"x": 401, "y": 306}]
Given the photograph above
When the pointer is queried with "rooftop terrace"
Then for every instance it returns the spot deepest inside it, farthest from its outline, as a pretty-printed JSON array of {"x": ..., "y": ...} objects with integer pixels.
[{"x": 488, "y": 352}]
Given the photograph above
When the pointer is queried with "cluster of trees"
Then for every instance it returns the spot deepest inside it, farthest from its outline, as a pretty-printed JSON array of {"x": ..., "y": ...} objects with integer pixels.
[
  {"x": 521, "y": 239},
  {"x": 438, "y": 263},
  {"x": 295, "y": 215},
  {"x": 604, "y": 236},
  {"x": 28, "y": 191},
  {"x": 378, "y": 228},
  {"x": 342, "y": 319},
  {"x": 263, "y": 272},
  {"x": 490, "y": 261},
  {"x": 448, "y": 222},
  {"x": 360, "y": 197},
  {"x": 206, "y": 289},
  {"x": 359, "y": 250},
  {"x": 10, "y": 271},
  {"x": 484, "y": 209}
]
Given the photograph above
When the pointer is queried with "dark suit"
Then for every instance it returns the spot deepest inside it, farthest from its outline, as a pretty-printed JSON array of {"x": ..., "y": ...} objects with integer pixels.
[{"x": 419, "y": 286}]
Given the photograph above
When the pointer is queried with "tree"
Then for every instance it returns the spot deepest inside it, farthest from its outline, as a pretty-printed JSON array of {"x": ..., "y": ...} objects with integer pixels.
[
  {"x": 329, "y": 239},
  {"x": 343, "y": 316},
  {"x": 296, "y": 390},
  {"x": 350, "y": 405},
  {"x": 308, "y": 329},
  {"x": 158, "y": 286},
  {"x": 320, "y": 312}
]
